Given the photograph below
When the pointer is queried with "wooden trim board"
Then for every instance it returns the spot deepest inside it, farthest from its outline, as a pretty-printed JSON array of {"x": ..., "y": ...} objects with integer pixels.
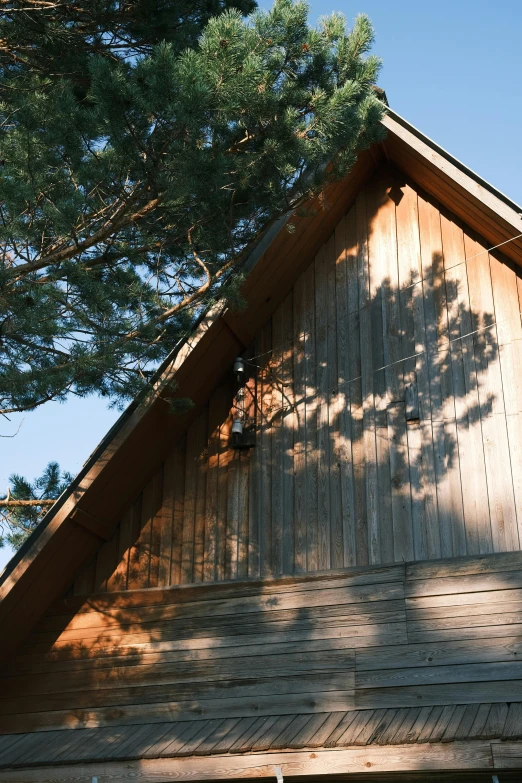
[{"x": 425, "y": 757}]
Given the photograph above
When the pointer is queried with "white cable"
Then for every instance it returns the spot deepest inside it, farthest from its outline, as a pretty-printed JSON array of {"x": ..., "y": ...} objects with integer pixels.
[{"x": 421, "y": 280}]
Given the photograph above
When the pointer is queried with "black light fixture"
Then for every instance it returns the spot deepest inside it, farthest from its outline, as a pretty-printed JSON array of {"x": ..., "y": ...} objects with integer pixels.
[
  {"x": 242, "y": 435},
  {"x": 237, "y": 431},
  {"x": 240, "y": 371}
]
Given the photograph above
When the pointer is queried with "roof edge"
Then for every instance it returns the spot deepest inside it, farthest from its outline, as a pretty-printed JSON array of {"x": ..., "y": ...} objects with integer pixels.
[{"x": 455, "y": 161}]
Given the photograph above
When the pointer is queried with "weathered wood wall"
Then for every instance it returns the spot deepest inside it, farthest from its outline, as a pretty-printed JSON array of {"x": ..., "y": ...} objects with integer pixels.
[
  {"x": 422, "y": 634},
  {"x": 338, "y": 476}
]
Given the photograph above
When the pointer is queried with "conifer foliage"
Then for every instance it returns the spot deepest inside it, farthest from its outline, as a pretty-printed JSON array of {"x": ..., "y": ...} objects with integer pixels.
[
  {"x": 27, "y": 501},
  {"x": 144, "y": 145}
]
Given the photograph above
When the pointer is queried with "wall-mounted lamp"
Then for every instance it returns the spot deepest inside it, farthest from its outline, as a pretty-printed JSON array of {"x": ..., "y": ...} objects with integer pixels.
[
  {"x": 237, "y": 431},
  {"x": 242, "y": 435},
  {"x": 240, "y": 370}
]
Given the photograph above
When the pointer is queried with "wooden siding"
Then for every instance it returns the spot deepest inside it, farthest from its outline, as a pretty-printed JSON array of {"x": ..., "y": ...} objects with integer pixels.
[
  {"x": 339, "y": 477},
  {"x": 429, "y": 634}
]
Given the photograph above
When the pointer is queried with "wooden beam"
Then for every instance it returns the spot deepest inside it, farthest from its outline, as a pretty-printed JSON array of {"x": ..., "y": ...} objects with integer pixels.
[
  {"x": 425, "y": 757},
  {"x": 90, "y": 523}
]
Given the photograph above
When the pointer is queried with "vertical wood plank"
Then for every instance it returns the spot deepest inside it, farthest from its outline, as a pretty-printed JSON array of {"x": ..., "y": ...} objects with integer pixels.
[
  {"x": 449, "y": 485},
  {"x": 201, "y": 487},
  {"x": 419, "y": 522},
  {"x": 363, "y": 262},
  {"x": 231, "y": 460},
  {"x": 430, "y": 493},
  {"x": 436, "y": 345},
  {"x": 276, "y": 465},
  {"x": 322, "y": 399},
  {"x": 265, "y": 507},
  {"x": 189, "y": 506},
  {"x": 254, "y": 562},
  {"x": 243, "y": 488},
  {"x": 449, "y": 491},
  {"x": 435, "y": 312},
  {"x": 156, "y": 528},
  {"x": 387, "y": 284},
  {"x": 336, "y": 406},
  {"x": 167, "y": 513},
  {"x": 312, "y": 527},
  {"x": 211, "y": 495},
  {"x": 403, "y": 548},
  {"x": 176, "y": 469},
  {"x": 410, "y": 273},
  {"x": 361, "y": 371},
  {"x": 300, "y": 433},
  {"x": 426, "y": 534},
  {"x": 133, "y": 574},
  {"x": 144, "y": 543},
  {"x": 414, "y": 370},
  {"x": 118, "y": 578},
  {"x": 386, "y": 227},
  {"x": 224, "y": 457},
  {"x": 346, "y": 301},
  {"x": 288, "y": 427},
  {"x": 244, "y": 470},
  {"x": 232, "y": 515},
  {"x": 384, "y": 484},
  {"x": 372, "y": 359}
]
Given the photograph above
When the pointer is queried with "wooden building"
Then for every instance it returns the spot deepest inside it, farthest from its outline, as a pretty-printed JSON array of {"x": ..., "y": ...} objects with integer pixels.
[{"x": 342, "y": 598}]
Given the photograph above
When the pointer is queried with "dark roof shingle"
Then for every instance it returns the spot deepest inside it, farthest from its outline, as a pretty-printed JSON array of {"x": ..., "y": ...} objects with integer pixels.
[{"x": 245, "y": 735}]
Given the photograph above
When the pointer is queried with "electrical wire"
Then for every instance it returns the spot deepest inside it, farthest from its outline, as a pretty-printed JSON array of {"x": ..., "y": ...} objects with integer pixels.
[
  {"x": 292, "y": 343},
  {"x": 426, "y": 351}
]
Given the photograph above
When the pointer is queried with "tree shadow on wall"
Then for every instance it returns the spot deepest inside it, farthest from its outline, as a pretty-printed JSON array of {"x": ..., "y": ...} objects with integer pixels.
[
  {"x": 387, "y": 458},
  {"x": 347, "y": 471}
]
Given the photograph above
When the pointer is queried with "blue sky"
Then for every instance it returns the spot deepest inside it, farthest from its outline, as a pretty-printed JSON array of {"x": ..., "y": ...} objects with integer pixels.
[{"x": 453, "y": 69}]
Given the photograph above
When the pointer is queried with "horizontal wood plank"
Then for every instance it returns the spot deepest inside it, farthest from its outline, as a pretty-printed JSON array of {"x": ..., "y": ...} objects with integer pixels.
[
  {"x": 508, "y": 648},
  {"x": 137, "y": 714},
  {"x": 454, "y": 756},
  {"x": 440, "y": 694},
  {"x": 469, "y": 583},
  {"x": 464, "y": 566},
  {"x": 426, "y": 675}
]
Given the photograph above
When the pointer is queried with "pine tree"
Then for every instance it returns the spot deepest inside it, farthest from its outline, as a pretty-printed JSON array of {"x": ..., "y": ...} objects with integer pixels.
[
  {"x": 26, "y": 502},
  {"x": 144, "y": 145}
]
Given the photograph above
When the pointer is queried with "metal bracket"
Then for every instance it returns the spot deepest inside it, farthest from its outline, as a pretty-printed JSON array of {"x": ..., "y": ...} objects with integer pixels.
[{"x": 279, "y": 774}]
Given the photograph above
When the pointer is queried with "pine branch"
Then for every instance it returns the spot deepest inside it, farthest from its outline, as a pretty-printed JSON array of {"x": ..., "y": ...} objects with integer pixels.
[{"x": 8, "y": 503}]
